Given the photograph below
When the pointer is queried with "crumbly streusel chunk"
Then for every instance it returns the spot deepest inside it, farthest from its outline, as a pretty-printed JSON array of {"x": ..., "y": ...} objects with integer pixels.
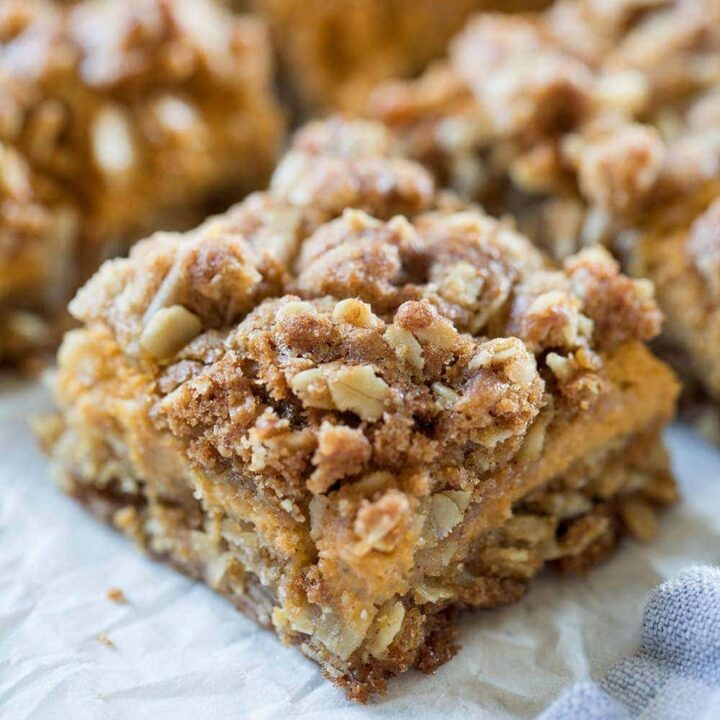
[
  {"x": 332, "y": 166},
  {"x": 522, "y": 79}
]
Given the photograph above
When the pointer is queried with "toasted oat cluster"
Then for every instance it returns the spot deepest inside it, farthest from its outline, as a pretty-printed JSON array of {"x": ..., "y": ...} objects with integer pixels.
[
  {"x": 117, "y": 118},
  {"x": 333, "y": 53},
  {"x": 585, "y": 123},
  {"x": 354, "y": 406}
]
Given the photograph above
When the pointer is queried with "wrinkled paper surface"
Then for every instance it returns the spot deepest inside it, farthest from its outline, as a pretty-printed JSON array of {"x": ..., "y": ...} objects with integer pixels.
[{"x": 179, "y": 651}]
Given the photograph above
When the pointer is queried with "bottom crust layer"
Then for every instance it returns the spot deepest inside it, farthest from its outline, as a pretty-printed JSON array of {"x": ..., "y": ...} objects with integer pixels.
[{"x": 571, "y": 523}]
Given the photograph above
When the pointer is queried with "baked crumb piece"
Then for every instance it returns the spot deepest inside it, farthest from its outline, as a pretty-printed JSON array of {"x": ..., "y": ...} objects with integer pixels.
[
  {"x": 117, "y": 596},
  {"x": 117, "y": 119},
  {"x": 103, "y": 639},
  {"x": 355, "y": 423}
]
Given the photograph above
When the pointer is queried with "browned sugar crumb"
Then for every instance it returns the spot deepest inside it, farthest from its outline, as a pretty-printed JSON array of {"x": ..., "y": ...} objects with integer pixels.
[
  {"x": 103, "y": 639},
  {"x": 527, "y": 83},
  {"x": 618, "y": 165},
  {"x": 335, "y": 164},
  {"x": 117, "y": 596}
]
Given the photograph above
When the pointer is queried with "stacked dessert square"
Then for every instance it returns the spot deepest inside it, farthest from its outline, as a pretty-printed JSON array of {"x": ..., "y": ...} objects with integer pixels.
[
  {"x": 116, "y": 119},
  {"x": 355, "y": 405}
]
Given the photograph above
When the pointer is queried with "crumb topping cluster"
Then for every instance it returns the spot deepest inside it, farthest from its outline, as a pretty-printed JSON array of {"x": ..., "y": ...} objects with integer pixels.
[{"x": 310, "y": 345}]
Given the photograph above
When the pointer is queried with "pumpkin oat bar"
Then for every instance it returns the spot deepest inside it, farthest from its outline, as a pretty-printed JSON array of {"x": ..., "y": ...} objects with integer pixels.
[
  {"x": 354, "y": 406},
  {"x": 116, "y": 119}
]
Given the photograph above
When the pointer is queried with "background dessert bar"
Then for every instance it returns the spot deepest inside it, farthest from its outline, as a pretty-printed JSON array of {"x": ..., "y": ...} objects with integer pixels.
[{"x": 118, "y": 118}]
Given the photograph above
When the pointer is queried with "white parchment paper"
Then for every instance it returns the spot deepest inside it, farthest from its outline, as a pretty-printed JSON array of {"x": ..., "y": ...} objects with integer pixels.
[{"x": 181, "y": 652}]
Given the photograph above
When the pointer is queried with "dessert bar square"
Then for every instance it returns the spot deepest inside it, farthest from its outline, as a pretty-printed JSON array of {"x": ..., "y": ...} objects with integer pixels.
[
  {"x": 355, "y": 406},
  {"x": 116, "y": 119}
]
